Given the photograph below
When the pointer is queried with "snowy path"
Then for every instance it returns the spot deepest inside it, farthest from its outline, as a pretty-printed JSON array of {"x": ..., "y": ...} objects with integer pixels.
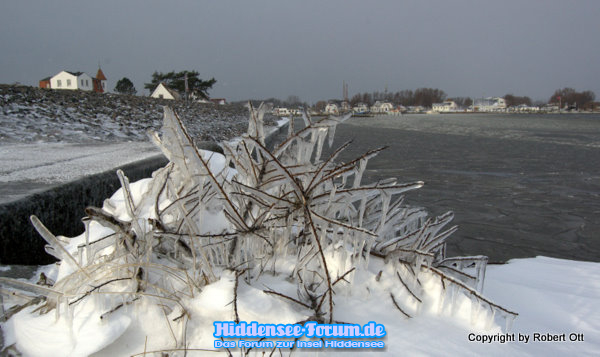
[{"x": 29, "y": 168}]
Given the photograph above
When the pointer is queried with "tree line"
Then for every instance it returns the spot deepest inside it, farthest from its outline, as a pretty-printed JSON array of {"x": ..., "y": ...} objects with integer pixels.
[
  {"x": 427, "y": 96},
  {"x": 420, "y": 97}
]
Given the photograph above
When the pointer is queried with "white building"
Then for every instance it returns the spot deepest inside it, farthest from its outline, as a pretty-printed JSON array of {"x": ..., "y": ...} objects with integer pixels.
[
  {"x": 345, "y": 107},
  {"x": 332, "y": 108},
  {"x": 524, "y": 108},
  {"x": 72, "y": 81},
  {"x": 360, "y": 108},
  {"x": 164, "y": 92},
  {"x": 445, "y": 107},
  {"x": 382, "y": 107},
  {"x": 76, "y": 81},
  {"x": 490, "y": 104},
  {"x": 281, "y": 112},
  {"x": 415, "y": 109},
  {"x": 550, "y": 107}
]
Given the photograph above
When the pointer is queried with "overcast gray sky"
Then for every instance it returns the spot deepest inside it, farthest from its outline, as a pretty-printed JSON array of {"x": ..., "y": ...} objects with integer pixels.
[{"x": 261, "y": 49}]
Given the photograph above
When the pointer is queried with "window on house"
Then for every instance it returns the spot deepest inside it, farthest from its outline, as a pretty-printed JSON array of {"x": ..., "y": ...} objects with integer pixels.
[
  {"x": 82, "y": 82},
  {"x": 58, "y": 83},
  {"x": 68, "y": 82},
  {"x": 87, "y": 83}
]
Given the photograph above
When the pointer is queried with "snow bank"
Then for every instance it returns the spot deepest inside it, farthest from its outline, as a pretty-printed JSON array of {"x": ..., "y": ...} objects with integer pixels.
[{"x": 552, "y": 296}]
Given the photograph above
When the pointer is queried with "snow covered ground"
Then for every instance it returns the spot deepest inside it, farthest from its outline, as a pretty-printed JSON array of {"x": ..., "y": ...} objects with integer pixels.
[
  {"x": 59, "y": 162},
  {"x": 30, "y": 167},
  {"x": 552, "y": 296}
]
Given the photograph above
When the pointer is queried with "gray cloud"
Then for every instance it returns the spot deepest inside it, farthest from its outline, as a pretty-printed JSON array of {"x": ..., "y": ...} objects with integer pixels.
[{"x": 259, "y": 49}]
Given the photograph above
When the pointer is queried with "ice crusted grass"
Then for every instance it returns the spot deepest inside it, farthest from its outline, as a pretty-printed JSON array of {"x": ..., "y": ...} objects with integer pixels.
[{"x": 282, "y": 235}]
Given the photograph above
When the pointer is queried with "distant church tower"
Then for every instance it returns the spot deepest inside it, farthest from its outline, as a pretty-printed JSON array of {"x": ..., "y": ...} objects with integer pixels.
[{"x": 100, "y": 82}]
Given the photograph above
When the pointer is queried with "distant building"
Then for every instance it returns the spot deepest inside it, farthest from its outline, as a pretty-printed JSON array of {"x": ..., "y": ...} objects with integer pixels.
[
  {"x": 550, "y": 107},
  {"x": 100, "y": 82},
  {"x": 360, "y": 108},
  {"x": 164, "y": 92},
  {"x": 75, "y": 81},
  {"x": 45, "y": 83},
  {"x": 72, "y": 81},
  {"x": 220, "y": 101},
  {"x": 490, "y": 104},
  {"x": 332, "y": 108},
  {"x": 345, "y": 107},
  {"x": 445, "y": 107},
  {"x": 382, "y": 107},
  {"x": 415, "y": 109},
  {"x": 524, "y": 108},
  {"x": 281, "y": 112}
]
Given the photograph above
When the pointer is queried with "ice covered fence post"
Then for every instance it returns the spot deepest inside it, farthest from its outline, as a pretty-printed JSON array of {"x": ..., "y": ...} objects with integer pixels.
[{"x": 290, "y": 213}]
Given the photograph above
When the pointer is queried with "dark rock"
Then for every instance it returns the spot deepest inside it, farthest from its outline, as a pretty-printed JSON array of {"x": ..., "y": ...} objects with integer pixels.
[{"x": 205, "y": 122}]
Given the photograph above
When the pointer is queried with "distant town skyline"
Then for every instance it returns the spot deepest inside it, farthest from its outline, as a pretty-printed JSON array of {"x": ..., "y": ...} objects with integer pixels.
[{"x": 263, "y": 49}]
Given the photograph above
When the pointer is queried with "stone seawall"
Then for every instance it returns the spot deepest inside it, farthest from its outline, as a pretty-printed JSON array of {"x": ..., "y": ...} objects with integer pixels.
[{"x": 60, "y": 208}]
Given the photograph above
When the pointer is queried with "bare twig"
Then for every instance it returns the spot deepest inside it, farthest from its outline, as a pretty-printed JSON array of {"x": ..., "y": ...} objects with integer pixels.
[
  {"x": 398, "y": 306},
  {"x": 271, "y": 292}
]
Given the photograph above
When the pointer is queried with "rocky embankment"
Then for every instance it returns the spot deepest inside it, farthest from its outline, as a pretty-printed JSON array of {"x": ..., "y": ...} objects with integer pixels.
[{"x": 29, "y": 114}]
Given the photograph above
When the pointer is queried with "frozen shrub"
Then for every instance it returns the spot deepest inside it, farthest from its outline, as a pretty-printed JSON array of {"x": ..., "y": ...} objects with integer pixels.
[{"x": 288, "y": 211}]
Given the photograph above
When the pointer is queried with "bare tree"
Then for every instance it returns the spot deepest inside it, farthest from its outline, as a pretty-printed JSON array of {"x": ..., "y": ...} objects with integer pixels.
[
  {"x": 462, "y": 102},
  {"x": 320, "y": 106},
  {"x": 571, "y": 96},
  {"x": 512, "y": 100}
]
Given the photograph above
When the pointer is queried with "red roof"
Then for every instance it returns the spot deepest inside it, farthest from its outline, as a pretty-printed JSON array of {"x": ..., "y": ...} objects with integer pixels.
[{"x": 100, "y": 75}]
